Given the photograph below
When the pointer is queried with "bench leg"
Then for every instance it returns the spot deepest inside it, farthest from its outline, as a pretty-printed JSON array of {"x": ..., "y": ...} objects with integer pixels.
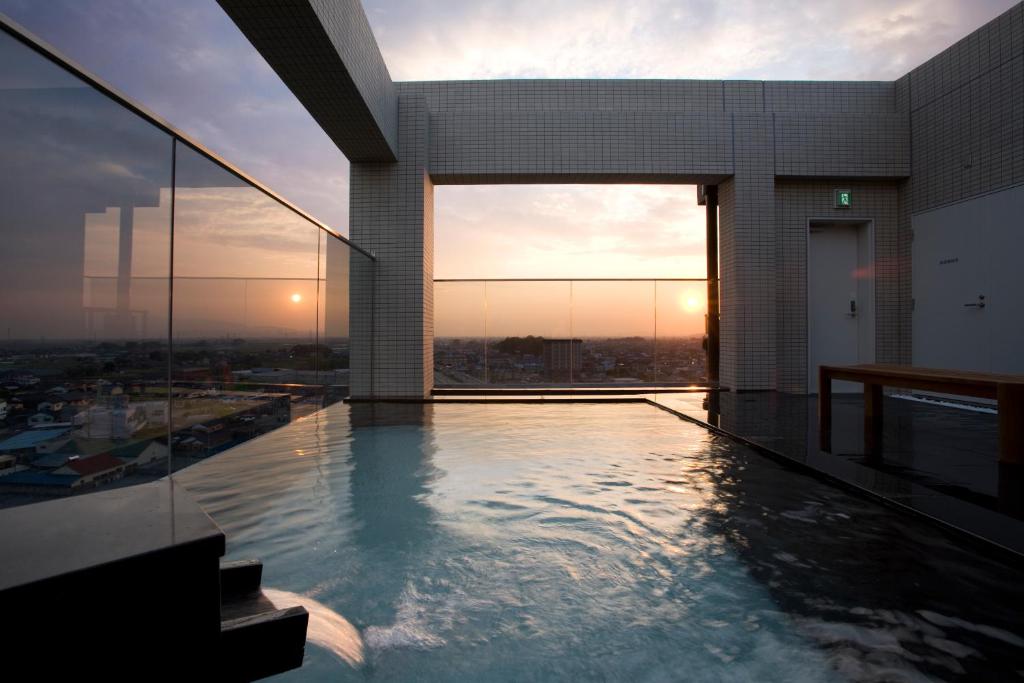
[
  {"x": 824, "y": 410},
  {"x": 873, "y": 421},
  {"x": 1011, "y": 423},
  {"x": 1011, "y": 489}
]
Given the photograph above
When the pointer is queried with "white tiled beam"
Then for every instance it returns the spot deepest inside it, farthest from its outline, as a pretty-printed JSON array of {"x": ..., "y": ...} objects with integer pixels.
[{"x": 325, "y": 53}]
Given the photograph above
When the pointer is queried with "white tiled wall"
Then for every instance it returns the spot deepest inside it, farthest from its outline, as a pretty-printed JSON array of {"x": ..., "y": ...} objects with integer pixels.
[{"x": 954, "y": 127}]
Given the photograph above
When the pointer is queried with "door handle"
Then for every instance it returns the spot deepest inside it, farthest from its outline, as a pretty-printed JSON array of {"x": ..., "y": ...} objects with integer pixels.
[
  {"x": 979, "y": 304},
  {"x": 853, "y": 309}
]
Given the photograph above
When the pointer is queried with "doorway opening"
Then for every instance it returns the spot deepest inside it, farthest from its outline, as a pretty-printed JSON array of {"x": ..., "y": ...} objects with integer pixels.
[{"x": 583, "y": 285}]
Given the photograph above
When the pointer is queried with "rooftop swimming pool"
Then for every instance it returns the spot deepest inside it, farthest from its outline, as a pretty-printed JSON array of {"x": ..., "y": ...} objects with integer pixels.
[{"x": 505, "y": 542}]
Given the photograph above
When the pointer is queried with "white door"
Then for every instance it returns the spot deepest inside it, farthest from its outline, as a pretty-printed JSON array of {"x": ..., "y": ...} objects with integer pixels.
[
  {"x": 962, "y": 253},
  {"x": 840, "y": 310}
]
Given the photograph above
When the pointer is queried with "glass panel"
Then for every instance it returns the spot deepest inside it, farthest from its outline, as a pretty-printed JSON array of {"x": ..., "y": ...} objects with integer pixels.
[
  {"x": 616, "y": 322},
  {"x": 460, "y": 328},
  {"x": 529, "y": 333},
  {"x": 245, "y": 311},
  {"x": 682, "y": 307},
  {"x": 626, "y": 332},
  {"x": 335, "y": 349},
  {"x": 85, "y": 229}
]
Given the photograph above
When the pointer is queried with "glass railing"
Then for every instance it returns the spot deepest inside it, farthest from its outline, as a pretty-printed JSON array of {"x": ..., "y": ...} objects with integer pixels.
[
  {"x": 158, "y": 305},
  {"x": 549, "y": 332}
]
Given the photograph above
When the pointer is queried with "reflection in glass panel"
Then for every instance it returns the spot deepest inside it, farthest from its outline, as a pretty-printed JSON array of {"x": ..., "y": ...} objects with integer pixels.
[
  {"x": 615, "y": 321},
  {"x": 682, "y": 307},
  {"x": 245, "y": 311},
  {"x": 333, "y": 361},
  {"x": 529, "y": 332},
  {"x": 460, "y": 330},
  {"x": 85, "y": 227}
]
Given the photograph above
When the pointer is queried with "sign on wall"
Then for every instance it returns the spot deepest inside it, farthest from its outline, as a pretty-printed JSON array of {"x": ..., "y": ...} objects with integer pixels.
[{"x": 844, "y": 199}]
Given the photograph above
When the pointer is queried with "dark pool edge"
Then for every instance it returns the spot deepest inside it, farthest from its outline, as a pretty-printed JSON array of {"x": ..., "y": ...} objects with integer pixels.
[
  {"x": 987, "y": 545},
  {"x": 470, "y": 399}
]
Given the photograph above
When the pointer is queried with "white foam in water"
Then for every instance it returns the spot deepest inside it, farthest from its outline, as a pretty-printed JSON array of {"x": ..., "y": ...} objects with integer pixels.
[
  {"x": 401, "y": 634},
  {"x": 327, "y": 628},
  {"x": 409, "y": 629}
]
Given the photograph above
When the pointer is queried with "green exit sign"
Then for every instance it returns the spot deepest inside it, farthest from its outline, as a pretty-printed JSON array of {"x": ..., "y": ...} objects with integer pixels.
[{"x": 844, "y": 199}]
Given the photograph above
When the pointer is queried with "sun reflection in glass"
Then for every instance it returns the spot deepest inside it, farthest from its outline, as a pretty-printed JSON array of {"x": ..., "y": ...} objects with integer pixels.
[{"x": 296, "y": 298}]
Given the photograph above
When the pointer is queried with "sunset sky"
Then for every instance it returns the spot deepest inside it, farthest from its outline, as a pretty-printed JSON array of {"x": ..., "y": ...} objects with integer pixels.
[{"x": 193, "y": 67}]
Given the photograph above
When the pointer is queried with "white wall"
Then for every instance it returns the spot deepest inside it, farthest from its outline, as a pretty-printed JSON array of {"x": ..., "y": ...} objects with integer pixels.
[{"x": 962, "y": 251}]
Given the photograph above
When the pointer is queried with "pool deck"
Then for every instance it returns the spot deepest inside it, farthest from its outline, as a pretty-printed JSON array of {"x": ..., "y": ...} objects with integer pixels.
[{"x": 937, "y": 461}]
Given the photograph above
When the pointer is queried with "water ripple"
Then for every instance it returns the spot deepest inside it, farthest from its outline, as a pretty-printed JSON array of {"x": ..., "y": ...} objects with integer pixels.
[{"x": 525, "y": 542}]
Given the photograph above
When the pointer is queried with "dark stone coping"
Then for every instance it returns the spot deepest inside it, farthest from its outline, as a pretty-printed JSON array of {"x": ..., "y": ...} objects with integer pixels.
[
  {"x": 57, "y": 538},
  {"x": 597, "y": 390}
]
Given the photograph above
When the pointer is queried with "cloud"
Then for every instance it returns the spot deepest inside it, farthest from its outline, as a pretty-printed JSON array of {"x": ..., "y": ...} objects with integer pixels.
[
  {"x": 568, "y": 231},
  {"x": 824, "y": 39}
]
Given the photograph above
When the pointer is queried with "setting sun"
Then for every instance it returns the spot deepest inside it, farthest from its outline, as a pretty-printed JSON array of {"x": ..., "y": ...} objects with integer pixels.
[
  {"x": 690, "y": 304},
  {"x": 296, "y": 298}
]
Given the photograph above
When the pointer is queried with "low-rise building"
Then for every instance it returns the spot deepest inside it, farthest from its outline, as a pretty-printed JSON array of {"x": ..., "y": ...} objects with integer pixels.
[
  {"x": 33, "y": 441},
  {"x": 93, "y": 469},
  {"x": 40, "y": 419},
  {"x": 119, "y": 422}
]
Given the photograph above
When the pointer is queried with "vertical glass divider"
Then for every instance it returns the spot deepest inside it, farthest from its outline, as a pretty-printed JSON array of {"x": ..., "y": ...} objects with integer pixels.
[
  {"x": 373, "y": 326},
  {"x": 571, "y": 343},
  {"x": 486, "y": 313},
  {"x": 655, "y": 331},
  {"x": 316, "y": 308}
]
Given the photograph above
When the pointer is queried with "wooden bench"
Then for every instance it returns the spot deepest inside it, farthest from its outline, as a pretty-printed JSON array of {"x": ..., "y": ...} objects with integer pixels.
[{"x": 1007, "y": 390}]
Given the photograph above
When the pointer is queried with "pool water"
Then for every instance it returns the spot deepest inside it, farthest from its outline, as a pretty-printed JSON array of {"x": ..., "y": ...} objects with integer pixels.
[{"x": 503, "y": 542}]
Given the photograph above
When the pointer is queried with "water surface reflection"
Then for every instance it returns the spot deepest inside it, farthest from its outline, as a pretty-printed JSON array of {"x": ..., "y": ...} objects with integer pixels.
[{"x": 612, "y": 542}]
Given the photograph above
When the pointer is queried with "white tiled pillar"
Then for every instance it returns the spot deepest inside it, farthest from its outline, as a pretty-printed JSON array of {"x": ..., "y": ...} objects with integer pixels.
[
  {"x": 747, "y": 267},
  {"x": 391, "y": 214}
]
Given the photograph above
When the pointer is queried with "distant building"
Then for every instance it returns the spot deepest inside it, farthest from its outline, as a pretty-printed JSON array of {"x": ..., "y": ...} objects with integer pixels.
[
  {"x": 141, "y": 453},
  {"x": 55, "y": 460},
  {"x": 562, "y": 358},
  {"x": 117, "y": 420},
  {"x": 40, "y": 419},
  {"x": 156, "y": 411},
  {"x": 93, "y": 469},
  {"x": 37, "y": 482},
  {"x": 36, "y": 440}
]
